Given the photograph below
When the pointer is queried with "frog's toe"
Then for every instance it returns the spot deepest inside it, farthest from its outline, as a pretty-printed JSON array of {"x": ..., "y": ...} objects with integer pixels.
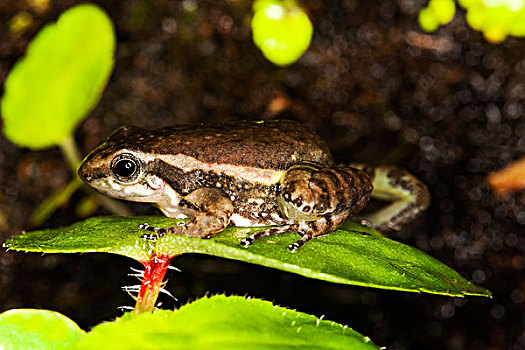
[
  {"x": 159, "y": 232},
  {"x": 145, "y": 226},
  {"x": 150, "y": 237},
  {"x": 295, "y": 246},
  {"x": 247, "y": 241},
  {"x": 269, "y": 232}
]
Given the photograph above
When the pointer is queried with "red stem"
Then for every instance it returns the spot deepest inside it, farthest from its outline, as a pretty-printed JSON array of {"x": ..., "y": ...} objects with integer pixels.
[{"x": 154, "y": 271}]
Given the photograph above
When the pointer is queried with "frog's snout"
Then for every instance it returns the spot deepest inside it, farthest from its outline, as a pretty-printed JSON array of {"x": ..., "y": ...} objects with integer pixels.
[{"x": 84, "y": 174}]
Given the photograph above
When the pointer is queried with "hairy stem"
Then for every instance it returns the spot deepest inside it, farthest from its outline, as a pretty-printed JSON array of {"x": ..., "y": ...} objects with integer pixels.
[{"x": 154, "y": 271}]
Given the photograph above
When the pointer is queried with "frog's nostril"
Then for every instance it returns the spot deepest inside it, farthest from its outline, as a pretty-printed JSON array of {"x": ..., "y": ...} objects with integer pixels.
[{"x": 83, "y": 174}]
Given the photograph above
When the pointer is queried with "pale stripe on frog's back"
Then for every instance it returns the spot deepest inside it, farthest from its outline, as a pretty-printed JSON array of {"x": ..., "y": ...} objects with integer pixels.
[{"x": 187, "y": 164}]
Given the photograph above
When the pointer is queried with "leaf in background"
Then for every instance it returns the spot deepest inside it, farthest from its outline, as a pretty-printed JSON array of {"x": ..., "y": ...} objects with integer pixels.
[
  {"x": 281, "y": 29},
  {"x": 221, "y": 322},
  {"x": 59, "y": 80},
  {"x": 37, "y": 329},
  {"x": 346, "y": 257},
  {"x": 56, "y": 200}
]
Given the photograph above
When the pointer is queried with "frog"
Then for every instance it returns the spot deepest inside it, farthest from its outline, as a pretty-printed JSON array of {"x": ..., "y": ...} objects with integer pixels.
[{"x": 276, "y": 173}]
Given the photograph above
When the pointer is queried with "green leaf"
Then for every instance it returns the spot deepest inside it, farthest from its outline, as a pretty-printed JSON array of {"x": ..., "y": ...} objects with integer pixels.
[
  {"x": 218, "y": 322},
  {"x": 37, "y": 329},
  {"x": 356, "y": 255},
  {"x": 59, "y": 80},
  {"x": 222, "y": 322}
]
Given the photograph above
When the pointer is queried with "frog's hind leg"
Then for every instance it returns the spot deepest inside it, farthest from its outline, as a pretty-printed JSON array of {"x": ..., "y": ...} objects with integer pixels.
[
  {"x": 310, "y": 191},
  {"x": 210, "y": 211},
  {"x": 408, "y": 197},
  {"x": 317, "y": 199},
  {"x": 319, "y": 228},
  {"x": 269, "y": 232},
  {"x": 308, "y": 230}
]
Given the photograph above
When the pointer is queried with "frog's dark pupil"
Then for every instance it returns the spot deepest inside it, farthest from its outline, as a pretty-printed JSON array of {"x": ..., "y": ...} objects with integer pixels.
[{"x": 124, "y": 168}]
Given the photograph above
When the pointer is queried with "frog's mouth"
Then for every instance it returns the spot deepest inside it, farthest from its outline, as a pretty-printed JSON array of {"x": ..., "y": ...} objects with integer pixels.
[{"x": 139, "y": 191}]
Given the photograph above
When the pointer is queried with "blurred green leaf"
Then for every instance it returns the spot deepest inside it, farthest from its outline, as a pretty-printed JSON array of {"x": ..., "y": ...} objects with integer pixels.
[
  {"x": 228, "y": 323},
  {"x": 86, "y": 207},
  {"x": 37, "y": 329},
  {"x": 281, "y": 29},
  {"x": 496, "y": 19},
  {"x": 354, "y": 256},
  {"x": 428, "y": 20},
  {"x": 56, "y": 200},
  {"x": 444, "y": 10},
  {"x": 59, "y": 80},
  {"x": 436, "y": 13}
]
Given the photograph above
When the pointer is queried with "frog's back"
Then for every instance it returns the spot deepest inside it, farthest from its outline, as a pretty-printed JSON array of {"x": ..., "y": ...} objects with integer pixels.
[{"x": 273, "y": 144}]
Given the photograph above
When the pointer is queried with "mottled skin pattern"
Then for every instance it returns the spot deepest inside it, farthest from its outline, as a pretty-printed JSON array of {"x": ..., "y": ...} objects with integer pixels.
[
  {"x": 318, "y": 199},
  {"x": 245, "y": 174}
]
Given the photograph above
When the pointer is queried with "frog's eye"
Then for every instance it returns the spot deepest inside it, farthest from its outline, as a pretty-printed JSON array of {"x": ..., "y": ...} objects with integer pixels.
[{"x": 125, "y": 167}]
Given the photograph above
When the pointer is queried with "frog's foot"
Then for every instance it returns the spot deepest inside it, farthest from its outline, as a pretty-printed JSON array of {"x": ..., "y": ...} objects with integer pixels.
[
  {"x": 198, "y": 227},
  {"x": 269, "y": 232},
  {"x": 158, "y": 231},
  {"x": 307, "y": 230},
  {"x": 318, "y": 228},
  {"x": 202, "y": 226},
  {"x": 295, "y": 246},
  {"x": 152, "y": 237},
  {"x": 408, "y": 197}
]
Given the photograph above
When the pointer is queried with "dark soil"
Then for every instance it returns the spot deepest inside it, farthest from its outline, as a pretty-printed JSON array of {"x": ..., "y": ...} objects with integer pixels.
[{"x": 447, "y": 106}]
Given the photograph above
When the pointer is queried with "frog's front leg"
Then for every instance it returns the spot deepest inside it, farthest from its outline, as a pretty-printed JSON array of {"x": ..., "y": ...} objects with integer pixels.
[
  {"x": 409, "y": 197},
  {"x": 317, "y": 199},
  {"x": 209, "y": 210}
]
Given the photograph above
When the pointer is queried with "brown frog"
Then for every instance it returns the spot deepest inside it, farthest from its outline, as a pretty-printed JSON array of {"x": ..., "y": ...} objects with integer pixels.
[{"x": 248, "y": 174}]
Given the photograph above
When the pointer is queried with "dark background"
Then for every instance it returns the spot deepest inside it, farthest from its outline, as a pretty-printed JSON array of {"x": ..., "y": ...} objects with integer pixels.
[{"x": 447, "y": 106}]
